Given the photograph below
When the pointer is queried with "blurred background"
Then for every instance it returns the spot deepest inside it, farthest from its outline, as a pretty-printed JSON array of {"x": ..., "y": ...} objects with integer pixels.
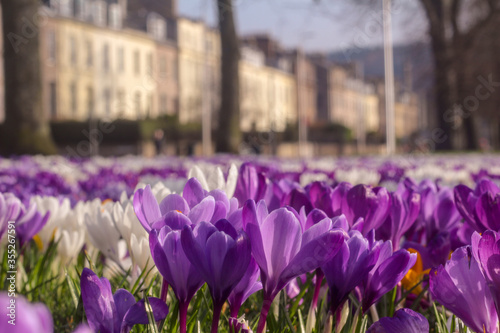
[{"x": 292, "y": 78}]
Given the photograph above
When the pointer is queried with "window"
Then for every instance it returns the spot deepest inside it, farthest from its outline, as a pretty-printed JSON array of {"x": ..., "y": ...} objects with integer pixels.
[
  {"x": 90, "y": 54},
  {"x": 74, "y": 101},
  {"x": 149, "y": 65},
  {"x": 137, "y": 62},
  {"x": 90, "y": 102},
  {"x": 174, "y": 69},
  {"x": 163, "y": 104},
  {"x": 115, "y": 16},
  {"x": 138, "y": 105},
  {"x": 121, "y": 59},
  {"x": 163, "y": 66},
  {"x": 121, "y": 103},
  {"x": 51, "y": 43},
  {"x": 105, "y": 57},
  {"x": 73, "y": 51},
  {"x": 53, "y": 100},
  {"x": 150, "y": 106},
  {"x": 107, "y": 102}
]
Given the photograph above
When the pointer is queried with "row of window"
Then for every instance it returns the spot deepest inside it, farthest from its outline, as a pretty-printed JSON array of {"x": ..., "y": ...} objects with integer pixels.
[
  {"x": 118, "y": 106},
  {"x": 166, "y": 67}
]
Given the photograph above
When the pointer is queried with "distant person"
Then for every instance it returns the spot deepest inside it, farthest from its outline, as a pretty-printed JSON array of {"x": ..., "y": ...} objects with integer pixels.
[{"x": 158, "y": 139}]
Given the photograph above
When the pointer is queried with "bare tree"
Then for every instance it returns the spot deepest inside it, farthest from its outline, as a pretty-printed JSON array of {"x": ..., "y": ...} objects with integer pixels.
[
  {"x": 228, "y": 136},
  {"x": 454, "y": 26},
  {"x": 26, "y": 130}
]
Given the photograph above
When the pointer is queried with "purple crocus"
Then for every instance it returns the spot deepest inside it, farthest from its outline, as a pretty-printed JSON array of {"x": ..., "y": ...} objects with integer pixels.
[
  {"x": 348, "y": 268},
  {"x": 173, "y": 264},
  {"x": 404, "y": 321},
  {"x": 10, "y": 208},
  {"x": 221, "y": 255},
  {"x": 461, "y": 288},
  {"x": 389, "y": 269},
  {"x": 195, "y": 203},
  {"x": 486, "y": 250},
  {"x": 478, "y": 206},
  {"x": 371, "y": 204},
  {"x": 403, "y": 213},
  {"x": 251, "y": 184},
  {"x": 118, "y": 313},
  {"x": 247, "y": 286},
  {"x": 283, "y": 250},
  {"x": 29, "y": 223},
  {"x": 19, "y": 316}
]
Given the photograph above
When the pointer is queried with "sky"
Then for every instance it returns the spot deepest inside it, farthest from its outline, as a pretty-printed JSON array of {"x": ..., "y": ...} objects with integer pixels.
[{"x": 317, "y": 25}]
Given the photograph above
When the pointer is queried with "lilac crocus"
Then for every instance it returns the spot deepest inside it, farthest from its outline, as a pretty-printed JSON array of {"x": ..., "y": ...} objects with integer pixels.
[
  {"x": 115, "y": 313},
  {"x": 20, "y": 316},
  {"x": 10, "y": 208},
  {"x": 221, "y": 255},
  {"x": 389, "y": 269},
  {"x": 29, "y": 223},
  {"x": 195, "y": 203},
  {"x": 173, "y": 264},
  {"x": 348, "y": 268},
  {"x": 247, "y": 286},
  {"x": 486, "y": 250},
  {"x": 477, "y": 206},
  {"x": 371, "y": 204},
  {"x": 461, "y": 288},
  {"x": 403, "y": 321},
  {"x": 283, "y": 250},
  {"x": 251, "y": 184},
  {"x": 403, "y": 213}
]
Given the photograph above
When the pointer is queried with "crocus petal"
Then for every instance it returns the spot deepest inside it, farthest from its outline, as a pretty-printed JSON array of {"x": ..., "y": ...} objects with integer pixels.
[
  {"x": 174, "y": 202},
  {"x": 203, "y": 211},
  {"x": 98, "y": 302},
  {"x": 123, "y": 301},
  {"x": 146, "y": 207},
  {"x": 404, "y": 321},
  {"x": 193, "y": 192},
  {"x": 137, "y": 313}
]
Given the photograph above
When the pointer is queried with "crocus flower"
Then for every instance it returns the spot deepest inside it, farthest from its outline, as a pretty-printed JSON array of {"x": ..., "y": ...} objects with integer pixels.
[
  {"x": 251, "y": 184},
  {"x": 348, "y": 268},
  {"x": 486, "y": 250},
  {"x": 196, "y": 203},
  {"x": 221, "y": 255},
  {"x": 173, "y": 264},
  {"x": 413, "y": 279},
  {"x": 247, "y": 286},
  {"x": 403, "y": 213},
  {"x": 404, "y": 321},
  {"x": 212, "y": 178},
  {"x": 10, "y": 208},
  {"x": 389, "y": 269},
  {"x": 283, "y": 250},
  {"x": 239, "y": 325},
  {"x": 29, "y": 223},
  {"x": 19, "y": 316},
  {"x": 461, "y": 288},
  {"x": 108, "y": 313},
  {"x": 371, "y": 204},
  {"x": 477, "y": 206}
]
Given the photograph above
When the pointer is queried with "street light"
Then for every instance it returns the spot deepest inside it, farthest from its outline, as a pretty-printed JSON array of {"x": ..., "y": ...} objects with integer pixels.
[{"x": 389, "y": 78}]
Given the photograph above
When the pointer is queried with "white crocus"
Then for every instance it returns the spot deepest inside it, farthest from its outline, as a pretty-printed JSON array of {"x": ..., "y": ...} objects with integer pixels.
[
  {"x": 103, "y": 234},
  {"x": 141, "y": 255},
  {"x": 212, "y": 177},
  {"x": 126, "y": 222},
  {"x": 58, "y": 213}
]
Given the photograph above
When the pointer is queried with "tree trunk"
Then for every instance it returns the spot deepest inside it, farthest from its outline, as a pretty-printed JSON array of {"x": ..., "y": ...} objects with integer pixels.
[
  {"x": 228, "y": 135},
  {"x": 443, "y": 89},
  {"x": 26, "y": 129}
]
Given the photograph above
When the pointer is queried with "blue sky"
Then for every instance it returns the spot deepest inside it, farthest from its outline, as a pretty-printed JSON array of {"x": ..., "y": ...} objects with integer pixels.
[{"x": 324, "y": 25}]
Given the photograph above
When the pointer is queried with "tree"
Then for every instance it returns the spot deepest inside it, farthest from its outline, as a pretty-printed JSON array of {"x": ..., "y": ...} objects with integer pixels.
[
  {"x": 452, "y": 43},
  {"x": 228, "y": 136},
  {"x": 26, "y": 129}
]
